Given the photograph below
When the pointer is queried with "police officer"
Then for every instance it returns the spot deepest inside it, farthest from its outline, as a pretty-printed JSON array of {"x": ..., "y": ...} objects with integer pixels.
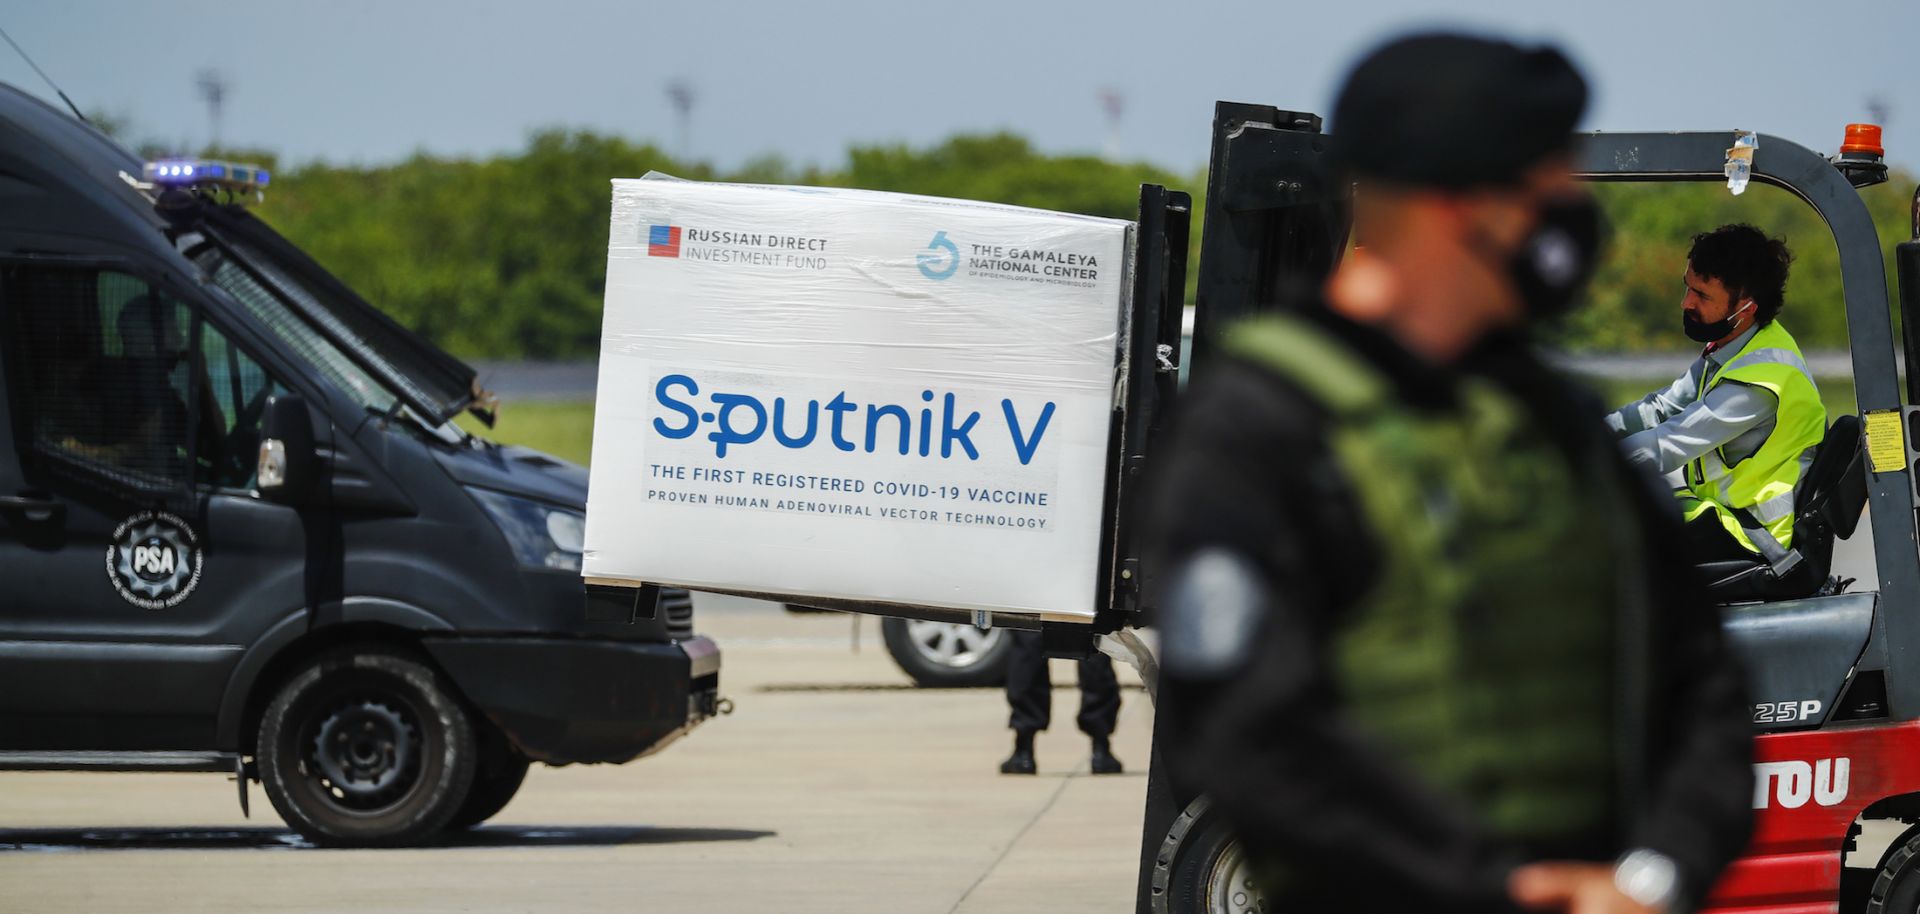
[
  {"x": 1426, "y": 642},
  {"x": 1739, "y": 429},
  {"x": 1030, "y": 700}
]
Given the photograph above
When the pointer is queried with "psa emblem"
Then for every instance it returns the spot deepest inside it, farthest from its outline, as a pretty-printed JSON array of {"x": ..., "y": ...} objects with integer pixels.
[
  {"x": 153, "y": 560},
  {"x": 944, "y": 261}
]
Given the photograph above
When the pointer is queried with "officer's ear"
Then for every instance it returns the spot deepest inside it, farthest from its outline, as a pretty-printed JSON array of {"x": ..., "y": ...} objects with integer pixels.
[{"x": 1494, "y": 219}]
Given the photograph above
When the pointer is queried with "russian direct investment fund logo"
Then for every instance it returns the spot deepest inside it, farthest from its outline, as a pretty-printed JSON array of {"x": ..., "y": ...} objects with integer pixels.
[
  {"x": 944, "y": 259},
  {"x": 664, "y": 241}
]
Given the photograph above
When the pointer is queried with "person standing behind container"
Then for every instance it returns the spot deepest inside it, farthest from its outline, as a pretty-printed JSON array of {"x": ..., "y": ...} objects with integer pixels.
[
  {"x": 1030, "y": 703},
  {"x": 1430, "y": 643}
]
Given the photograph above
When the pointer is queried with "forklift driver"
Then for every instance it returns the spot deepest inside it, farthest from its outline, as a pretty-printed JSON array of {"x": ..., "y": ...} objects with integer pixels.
[
  {"x": 1428, "y": 644},
  {"x": 1737, "y": 432}
]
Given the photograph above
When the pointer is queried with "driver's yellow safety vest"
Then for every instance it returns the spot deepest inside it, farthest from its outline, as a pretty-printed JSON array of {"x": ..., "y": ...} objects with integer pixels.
[{"x": 1763, "y": 484}]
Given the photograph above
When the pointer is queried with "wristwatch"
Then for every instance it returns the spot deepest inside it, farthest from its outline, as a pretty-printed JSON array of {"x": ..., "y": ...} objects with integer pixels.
[{"x": 1648, "y": 877}]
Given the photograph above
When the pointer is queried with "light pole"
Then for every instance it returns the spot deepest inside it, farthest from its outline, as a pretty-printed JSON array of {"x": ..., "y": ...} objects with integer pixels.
[
  {"x": 1113, "y": 104},
  {"x": 680, "y": 93},
  {"x": 1878, "y": 110},
  {"x": 213, "y": 90}
]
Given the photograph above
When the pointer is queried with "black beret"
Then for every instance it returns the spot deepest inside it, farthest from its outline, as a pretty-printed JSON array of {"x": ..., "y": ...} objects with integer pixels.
[{"x": 1455, "y": 111}]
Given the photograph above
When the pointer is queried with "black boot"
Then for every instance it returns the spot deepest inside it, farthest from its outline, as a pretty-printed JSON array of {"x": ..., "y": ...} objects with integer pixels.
[
  {"x": 1021, "y": 761},
  {"x": 1103, "y": 761}
]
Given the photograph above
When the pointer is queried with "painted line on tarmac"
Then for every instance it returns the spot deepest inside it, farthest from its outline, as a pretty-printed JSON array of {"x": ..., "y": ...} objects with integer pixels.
[
  {"x": 778, "y": 687},
  {"x": 840, "y": 642}
]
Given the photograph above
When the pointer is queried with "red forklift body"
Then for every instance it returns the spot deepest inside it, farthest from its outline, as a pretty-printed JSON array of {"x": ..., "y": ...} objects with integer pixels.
[{"x": 1809, "y": 788}]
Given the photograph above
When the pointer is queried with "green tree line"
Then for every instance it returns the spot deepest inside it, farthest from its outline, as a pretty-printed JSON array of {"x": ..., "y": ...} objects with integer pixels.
[
  {"x": 1634, "y": 302},
  {"x": 505, "y": 257}
]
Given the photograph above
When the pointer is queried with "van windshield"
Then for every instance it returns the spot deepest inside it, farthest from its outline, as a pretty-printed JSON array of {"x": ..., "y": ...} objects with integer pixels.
[
  {"x": 429, "y": 381},
  {"x": 297, "y": 333}
]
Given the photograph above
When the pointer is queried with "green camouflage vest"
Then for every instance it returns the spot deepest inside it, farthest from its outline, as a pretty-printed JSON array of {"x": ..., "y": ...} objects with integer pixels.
[{"x": 1482, "y": 653}]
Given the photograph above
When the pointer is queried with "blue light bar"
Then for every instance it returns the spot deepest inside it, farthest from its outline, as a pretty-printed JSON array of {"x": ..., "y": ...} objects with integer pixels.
[{"x": 232, "y": 176}]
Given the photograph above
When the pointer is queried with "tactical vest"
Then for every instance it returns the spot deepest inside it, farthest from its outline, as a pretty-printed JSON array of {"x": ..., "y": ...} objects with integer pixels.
[
  {"x": 1481, "y": 654},
  {"x": 1763, "y": 484}
]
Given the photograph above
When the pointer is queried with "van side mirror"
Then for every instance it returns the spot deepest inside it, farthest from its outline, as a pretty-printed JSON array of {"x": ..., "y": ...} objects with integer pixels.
[{"x": 288, "y": 471}]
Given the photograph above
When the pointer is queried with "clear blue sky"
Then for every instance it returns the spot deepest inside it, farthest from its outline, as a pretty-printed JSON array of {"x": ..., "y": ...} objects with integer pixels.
[{"x": 372, "y": 82}]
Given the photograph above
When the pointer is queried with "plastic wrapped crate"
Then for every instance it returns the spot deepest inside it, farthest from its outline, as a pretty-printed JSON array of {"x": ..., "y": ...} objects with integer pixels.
[{"x": 848, "y": 395}]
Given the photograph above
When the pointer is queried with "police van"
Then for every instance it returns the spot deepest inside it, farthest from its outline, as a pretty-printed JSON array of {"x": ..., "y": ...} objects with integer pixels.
[{"x": 240, "y": 532}]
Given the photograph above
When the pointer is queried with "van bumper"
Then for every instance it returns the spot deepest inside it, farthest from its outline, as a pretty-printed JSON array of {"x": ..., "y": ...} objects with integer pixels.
[{"x": 565, "y": 700}]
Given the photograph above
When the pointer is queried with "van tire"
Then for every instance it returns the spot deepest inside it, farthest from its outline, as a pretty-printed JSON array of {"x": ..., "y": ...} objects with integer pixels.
[
  {"x": 366, "y": 748},
  {"x": 501, "y": 772},
  {"x": 947, "y": 655}
]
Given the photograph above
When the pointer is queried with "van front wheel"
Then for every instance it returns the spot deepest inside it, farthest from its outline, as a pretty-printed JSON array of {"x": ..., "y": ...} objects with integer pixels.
[
  {"x": 500, "y": 774},
  {"x": 366, "y": 748}
]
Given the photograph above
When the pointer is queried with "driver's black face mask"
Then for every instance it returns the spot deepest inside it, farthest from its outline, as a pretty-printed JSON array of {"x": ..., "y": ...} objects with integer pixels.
[{"x": 1701, "y": 331}]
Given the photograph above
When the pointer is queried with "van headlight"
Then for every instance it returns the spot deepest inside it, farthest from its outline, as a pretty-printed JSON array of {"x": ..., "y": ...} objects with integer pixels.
[{"x": 542, "y": 536}]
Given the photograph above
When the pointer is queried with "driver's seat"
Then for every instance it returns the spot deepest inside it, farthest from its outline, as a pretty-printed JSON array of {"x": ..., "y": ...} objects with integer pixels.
[{"x": 1829, "y": 505}]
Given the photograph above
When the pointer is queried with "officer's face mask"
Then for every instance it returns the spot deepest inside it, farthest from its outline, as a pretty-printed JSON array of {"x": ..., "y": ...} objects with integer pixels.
[
  {"x": 1553, "y": 263},
  {"x": 1701, "y": 331},
  {"x": 1555, "y": 260}
]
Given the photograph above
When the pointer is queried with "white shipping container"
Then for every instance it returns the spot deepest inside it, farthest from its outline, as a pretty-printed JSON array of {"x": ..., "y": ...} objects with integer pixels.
[{"x": 854, "y": 395}]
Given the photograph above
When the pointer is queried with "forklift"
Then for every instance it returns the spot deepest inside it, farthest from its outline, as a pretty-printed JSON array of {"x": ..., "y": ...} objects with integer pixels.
[{"x": 1834, "y": 671}]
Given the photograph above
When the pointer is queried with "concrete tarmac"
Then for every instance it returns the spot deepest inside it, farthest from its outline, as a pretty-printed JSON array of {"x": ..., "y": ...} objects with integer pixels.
[{"x": 835, "y": 786}]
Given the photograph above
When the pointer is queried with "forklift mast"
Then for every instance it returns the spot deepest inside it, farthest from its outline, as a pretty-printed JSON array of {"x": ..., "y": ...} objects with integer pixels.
[{"x": 1276, "y": 223}]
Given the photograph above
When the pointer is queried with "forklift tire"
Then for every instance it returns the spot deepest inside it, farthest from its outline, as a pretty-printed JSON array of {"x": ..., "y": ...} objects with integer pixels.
[
  {"x": 499, "y": 777},
  {"x": 366, "y": 748},
  {"x": 1896, "y": 888},
  {"x": 1200, "y": 869}
]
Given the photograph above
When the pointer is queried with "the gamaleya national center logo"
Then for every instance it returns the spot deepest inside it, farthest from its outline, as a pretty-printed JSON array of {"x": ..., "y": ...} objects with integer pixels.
[
  {"x": 944, "y": 260},
  {"x": 153, "y": 560},
  {"x": 663, "y": 241}
]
